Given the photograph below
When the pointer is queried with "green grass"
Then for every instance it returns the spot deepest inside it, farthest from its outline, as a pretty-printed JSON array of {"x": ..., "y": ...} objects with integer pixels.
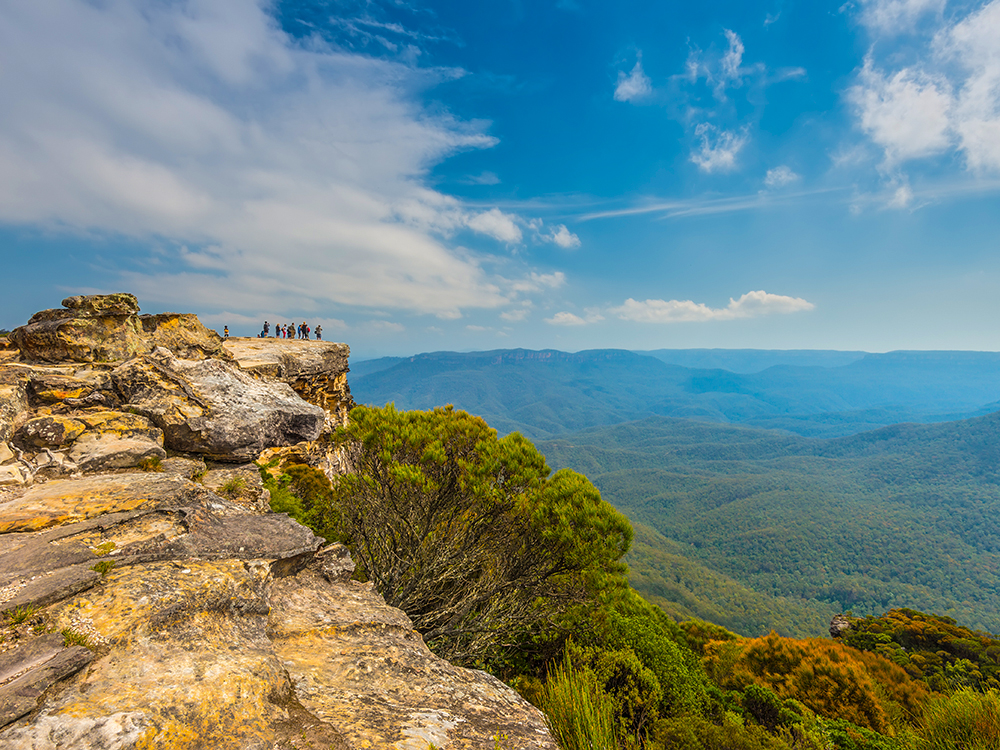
[
  {"x": 580, "y": 714},
  {"x": 103, "y": 567},
  {"x": 20, "y": 615}
]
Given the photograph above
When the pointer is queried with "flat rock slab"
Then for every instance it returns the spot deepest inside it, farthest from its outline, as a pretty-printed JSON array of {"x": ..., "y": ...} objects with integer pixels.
[
  {"x": 289, "y": 359},
  {"x": 70, "y": 500},
  {"x": 358, "y": 665},
  {"x": 27, "y": 671}
]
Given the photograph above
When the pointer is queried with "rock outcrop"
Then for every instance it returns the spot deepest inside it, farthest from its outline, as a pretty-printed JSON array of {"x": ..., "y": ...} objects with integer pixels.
[{"x": 167, "y": 607}]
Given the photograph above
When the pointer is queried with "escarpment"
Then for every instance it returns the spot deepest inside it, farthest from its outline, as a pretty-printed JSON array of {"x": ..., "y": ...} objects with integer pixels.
[{"x": 149, "y": 597}]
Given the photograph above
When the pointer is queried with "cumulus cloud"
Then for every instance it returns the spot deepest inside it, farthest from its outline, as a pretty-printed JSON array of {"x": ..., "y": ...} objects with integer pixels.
[
  {"x": 566, "y": 319},
  {"x": 515, "y": 316},
  {"x": 294, "y": 174},
  {"x": 562, "y": 237},
  {"x": 717, "y": 149},
  {"x": 949, "y": 100},
  {"x": 633, "y": 86},
  {"x": 906, "y": 113},
  {"x": 750, "y": 305},
  {"x": 496, "y": 224},
  {"x": 780, "y": 176}
]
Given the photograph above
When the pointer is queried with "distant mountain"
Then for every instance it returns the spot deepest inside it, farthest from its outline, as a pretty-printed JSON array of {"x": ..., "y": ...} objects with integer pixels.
[
  {"x": 547, "y": 393},
  {"x": 903, "y": 516},
  {"x": 748, "y": 361}
]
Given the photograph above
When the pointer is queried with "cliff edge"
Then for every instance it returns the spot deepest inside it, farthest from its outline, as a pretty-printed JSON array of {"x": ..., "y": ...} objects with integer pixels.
[{"x": 149, "y": 598}]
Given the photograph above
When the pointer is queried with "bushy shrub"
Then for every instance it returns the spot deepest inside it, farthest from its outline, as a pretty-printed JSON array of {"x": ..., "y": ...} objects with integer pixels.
[
  {"x": 580, "y": 714},
  {"x": 965, "y": 720}
]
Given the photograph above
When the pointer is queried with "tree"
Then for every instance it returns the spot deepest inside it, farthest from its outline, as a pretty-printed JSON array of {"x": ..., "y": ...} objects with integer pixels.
[{"x": 472, "y": 536}]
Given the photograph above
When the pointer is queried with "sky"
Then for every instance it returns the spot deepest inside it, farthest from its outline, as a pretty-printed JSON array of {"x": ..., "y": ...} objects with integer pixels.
[{"x": 421, "y": 175}]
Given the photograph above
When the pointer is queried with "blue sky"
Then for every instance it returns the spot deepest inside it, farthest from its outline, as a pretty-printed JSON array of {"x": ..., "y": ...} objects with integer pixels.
[{"x": 570, "y": 174}]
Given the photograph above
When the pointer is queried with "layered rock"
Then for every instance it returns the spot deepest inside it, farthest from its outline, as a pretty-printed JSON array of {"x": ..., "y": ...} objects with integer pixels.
[
  {"x": 168, "y": 608},
  {"x": 108, "y": 328}
]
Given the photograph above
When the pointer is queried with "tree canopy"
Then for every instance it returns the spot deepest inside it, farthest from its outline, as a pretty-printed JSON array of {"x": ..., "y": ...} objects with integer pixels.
[{"x": 470, "y": 534}]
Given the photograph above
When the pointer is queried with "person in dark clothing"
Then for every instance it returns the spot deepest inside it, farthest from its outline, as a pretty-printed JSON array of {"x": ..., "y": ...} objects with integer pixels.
[
  {"x": 266, "y": 329},
  {"x": 225, "y": 332},
  {"x": 319, "y": 333}
]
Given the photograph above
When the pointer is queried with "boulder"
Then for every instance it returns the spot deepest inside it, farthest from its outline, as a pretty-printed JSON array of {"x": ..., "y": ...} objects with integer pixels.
[
  {"x": 6, "y": 454},
  {"x": 107, "y": 328},
  {"x": 13, "y": 408},
  {"x": 184, "y": 335},
  {"x": 11, "y": 475},
  {"x": 49, "y": 431},
  {"x": 212, "y": 408},
  {"x": 94, "y": 452}
]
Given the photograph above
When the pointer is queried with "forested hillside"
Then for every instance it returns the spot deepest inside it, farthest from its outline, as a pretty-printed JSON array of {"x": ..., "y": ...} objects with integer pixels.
[
  {"x": 904, "y": 516},
  {"x": 544, "y": 394}
]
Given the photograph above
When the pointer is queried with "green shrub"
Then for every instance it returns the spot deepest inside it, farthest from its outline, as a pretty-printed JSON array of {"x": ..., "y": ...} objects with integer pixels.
[
  {"x": 580, "y": 714},
  {"x": 965, "y": 720},
  {"x": 151, "y": 463},
  {"x": 103, "y": 567}
]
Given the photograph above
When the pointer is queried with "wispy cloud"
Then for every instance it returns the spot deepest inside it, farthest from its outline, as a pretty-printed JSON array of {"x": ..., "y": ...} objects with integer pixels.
[
  {"x": 750, "y": 305},
  {"x": 780, "y": 176},
  {"x": 633, "y": 86},
  {"x": 717, "y": 149},
  {"x": 295, "y": 175},
  {"x": 897, "y": 16},
  {"x": 571, "y": 319}
]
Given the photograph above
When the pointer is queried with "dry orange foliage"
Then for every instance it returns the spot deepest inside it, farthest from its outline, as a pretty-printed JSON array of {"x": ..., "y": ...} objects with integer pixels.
[{"x": 831, "y": 679}]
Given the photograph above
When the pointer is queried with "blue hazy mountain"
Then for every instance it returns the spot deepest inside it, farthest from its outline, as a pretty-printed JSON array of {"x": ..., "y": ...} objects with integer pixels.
[{"x": 815, "y": 393}]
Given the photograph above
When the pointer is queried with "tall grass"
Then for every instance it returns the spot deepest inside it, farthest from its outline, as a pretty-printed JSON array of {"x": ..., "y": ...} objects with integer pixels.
[
  {"x": 579, "y": 712},
  {"x": 964, "y": 720}
]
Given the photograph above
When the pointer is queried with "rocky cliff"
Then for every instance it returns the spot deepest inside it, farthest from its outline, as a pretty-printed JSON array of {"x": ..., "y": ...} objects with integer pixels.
[{"x": 149, "y": 597}]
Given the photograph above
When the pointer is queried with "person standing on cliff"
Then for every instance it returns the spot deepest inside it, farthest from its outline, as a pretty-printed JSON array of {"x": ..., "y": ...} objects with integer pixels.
[
  {"x": 225, "y": 332},
  {"x": 319, "y": 333},
  {"x": 266, "y": 329}
]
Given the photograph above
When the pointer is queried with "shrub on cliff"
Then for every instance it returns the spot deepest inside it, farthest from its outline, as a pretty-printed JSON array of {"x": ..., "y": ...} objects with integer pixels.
[{"x": 470, "y": 534}]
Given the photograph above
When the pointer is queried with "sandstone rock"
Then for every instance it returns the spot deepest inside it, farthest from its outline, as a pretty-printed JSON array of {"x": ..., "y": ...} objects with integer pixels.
[
  {"x": 317, "y": 370},
  {"x": 72, "y": 337},
  {"x": 52, "y": 386},
  {"x": 358, "y": 665},
  {"x": 13, "y": 408},
  {"x": 213, "y": 408},
  {"x": 49, "y": 431},
  {"x": 184, "y": 335},
  {"x": 839, "y": 625},
  {"x": 25, "y": 673},
  {"x": 6, "y": 454},
  {"x": 241, "y": 484},
  {"x": 189, "y": 468},
  {"x": 11, "y": 475},
  {"x": 120, "y": 303},
  {"x": 94, "y": 452}
]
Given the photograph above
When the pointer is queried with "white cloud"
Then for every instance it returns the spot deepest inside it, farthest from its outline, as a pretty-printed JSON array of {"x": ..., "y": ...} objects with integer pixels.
[
  {"x": 566, "y": 319},
  {"x": 564, "y": 238},
  {"x": 515, "y": 316},
  {"x": 483, "y": 178},
  {"x": 633, "y": 86},
  {"x": 972, "y": 43},
  {"x": 750, "y": 305},
  {"x": 897, "y": 16},
  {"x": 780, "y": 176},
  {"x": 295, "y": 174},
  {"x": 495, "y": 223},
  {"x": 537, "y": 282},
  {"x": 905, "y": 113},
  {"x": 733, "y": 58},
  {"x": 901, "y": 197},
  {"x": 951, "y": 99},
  {"x": 718, "y": 148}
]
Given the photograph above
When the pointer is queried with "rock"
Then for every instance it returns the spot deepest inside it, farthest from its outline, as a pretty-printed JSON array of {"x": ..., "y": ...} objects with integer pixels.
[
  {"x": 189, "y": 468},
  {"x": 11, "y": 475},
  {"x": 317, "y": 370},
  {"x": 184, "y": 335},
  {"x": 13, "y": 408},
  {"x": 107, "y": 328},
  {"x": 839, "y": 625},
  {"x": 358, "y": 665},
  {"x": 6, "y": 454},
  {"x": 80, "y": 335},
  {"x": 240, "y": 484},
  {"x": 50, "y": 387},
  {"x": 25, "y": 673},
  {"x": 49, "y": 431},
  {"x": 213, "y": 408},
  {"x": 120, "y": 303},
  {"x": 335, "y": 563},
  {"x": 94, "y": 452}
]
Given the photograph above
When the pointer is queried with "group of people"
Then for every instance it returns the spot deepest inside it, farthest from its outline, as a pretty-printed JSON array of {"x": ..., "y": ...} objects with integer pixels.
[{"x": 291, "y": 331}]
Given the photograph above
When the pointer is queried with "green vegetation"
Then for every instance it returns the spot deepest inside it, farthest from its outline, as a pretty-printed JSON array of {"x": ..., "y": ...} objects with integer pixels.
[
  {"x": 103, "y": 567},
  {"x": 444, "y": 517},
  {"x": 151, "y": 463},
  {"x": 937, "y": 650},
  {"x": 758, "y": 530},
  {"x": 73, "y": 638},
  {"x": 233, "y": 488}
]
